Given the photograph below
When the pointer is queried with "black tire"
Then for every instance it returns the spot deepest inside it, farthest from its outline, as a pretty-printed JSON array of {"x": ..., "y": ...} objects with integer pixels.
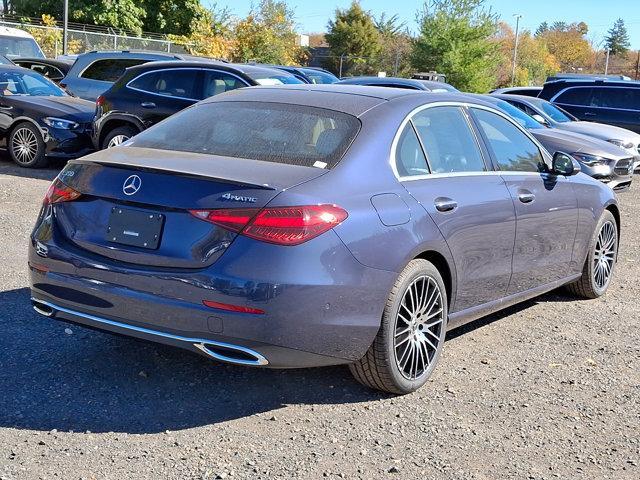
[
  {"x": 124, "y": 131},
  {"x": 26, "y": 146},
  {"x": 381, "y": 368},
  {"x": 588, "y": 285}
]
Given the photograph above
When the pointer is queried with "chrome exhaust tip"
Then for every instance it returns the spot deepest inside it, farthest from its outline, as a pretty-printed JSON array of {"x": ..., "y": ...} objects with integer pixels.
[
  {"x": 228, "y": 353},
  {"x": 42, "y": 308}
]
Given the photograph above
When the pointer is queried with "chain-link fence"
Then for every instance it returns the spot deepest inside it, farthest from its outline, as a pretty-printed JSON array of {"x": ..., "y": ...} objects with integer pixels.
[{"x": 82, "y": 40}]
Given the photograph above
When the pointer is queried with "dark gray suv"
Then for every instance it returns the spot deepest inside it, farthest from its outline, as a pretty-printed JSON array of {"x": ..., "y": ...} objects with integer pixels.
[{"x": 94, "y": 72}]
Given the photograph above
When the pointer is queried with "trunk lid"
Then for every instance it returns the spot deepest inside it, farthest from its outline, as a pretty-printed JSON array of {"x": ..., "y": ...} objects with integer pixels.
[{"x": 130, "y": 195}]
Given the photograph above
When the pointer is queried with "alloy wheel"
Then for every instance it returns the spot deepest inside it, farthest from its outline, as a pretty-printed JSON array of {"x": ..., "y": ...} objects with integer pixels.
[
  {"x": 419, "y": 328},
  {"x": 117, "y": 140},
  {"x": 605, "y": 254},
  {"x": 24, "y": 145}
]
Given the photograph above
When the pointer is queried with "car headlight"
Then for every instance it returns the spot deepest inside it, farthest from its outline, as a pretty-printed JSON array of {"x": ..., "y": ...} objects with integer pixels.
[
  {"x": 61, "y": 123},
  {"x": 589, "y": 160},
  {"x": 621, "y": 143}
]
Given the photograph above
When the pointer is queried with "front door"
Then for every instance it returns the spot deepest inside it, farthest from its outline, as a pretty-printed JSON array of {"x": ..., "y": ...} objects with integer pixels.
[{"x": 545, "y": 205}]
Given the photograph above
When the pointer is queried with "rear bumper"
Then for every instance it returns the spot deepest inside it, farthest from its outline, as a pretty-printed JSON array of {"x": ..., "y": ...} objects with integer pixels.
[{"x": 321, "y": 306}]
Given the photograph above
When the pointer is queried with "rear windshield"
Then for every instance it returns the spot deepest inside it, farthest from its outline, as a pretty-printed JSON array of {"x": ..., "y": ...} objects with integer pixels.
[
  {"x": 19, "y": 47},
  {"x": 271, "y": 132}
]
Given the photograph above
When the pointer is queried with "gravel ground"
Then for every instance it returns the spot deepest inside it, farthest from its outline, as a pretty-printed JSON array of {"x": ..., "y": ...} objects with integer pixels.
[{"x": 549, "y": 389}]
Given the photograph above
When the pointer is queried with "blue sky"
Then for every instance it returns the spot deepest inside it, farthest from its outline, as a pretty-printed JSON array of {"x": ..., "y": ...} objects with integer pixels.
[{"x": 312, "y": 16}]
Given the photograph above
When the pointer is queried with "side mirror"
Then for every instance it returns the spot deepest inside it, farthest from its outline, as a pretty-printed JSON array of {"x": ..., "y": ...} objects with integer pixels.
[
  {"x": 540, "y": 119},
  {"x": 564, "y": 164}
]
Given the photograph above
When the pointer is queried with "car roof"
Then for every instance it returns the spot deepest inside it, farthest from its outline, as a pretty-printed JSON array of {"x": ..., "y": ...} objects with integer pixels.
[
  {"x": 14, "y": 32},
  {"x": 206, "y": 63},
  {"x": 594, "y": 81},
  {"x": 381, "y": 80},
  {"x": 351, "y": 99},
  {"x": 513, "y": 89},
  {"x": 48, "y": 61}
]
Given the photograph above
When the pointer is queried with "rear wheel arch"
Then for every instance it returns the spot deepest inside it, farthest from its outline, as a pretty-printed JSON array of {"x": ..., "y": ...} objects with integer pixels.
[
  {"x": 615, "y": 211},
  {"x": 442, "y": 264}
]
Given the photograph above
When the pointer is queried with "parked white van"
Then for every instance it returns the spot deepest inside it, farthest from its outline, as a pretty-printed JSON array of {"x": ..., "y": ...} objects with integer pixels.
[{"x": 18, "y": 43}]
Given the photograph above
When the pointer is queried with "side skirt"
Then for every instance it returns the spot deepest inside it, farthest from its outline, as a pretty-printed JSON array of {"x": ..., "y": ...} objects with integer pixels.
[{"x": 458, "y": 319}]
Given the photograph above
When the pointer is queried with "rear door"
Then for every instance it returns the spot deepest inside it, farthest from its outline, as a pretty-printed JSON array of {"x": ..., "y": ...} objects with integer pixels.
[
  {"x": 545, "y": 204},
  {"x": 440, "y": 162},
  {"x": 162, "y": 93},
  {"x": 577, "y": 101}
]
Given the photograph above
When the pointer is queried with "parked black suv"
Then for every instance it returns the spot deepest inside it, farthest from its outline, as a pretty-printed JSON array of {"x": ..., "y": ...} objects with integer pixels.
[
  {"x": 151, "y": 92},
  {"x": 615, "y": 102}
]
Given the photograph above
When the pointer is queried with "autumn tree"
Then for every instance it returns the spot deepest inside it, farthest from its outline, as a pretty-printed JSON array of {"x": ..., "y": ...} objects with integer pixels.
[
  {"x": 455, "y": 38},
  {"x": 267, "y": 35},
  {"x": 534, "y": 62},
  {"x": 617, "y": 39},
  {"x": 568, "y": 45},
  {"x": 352, "y": 35}
]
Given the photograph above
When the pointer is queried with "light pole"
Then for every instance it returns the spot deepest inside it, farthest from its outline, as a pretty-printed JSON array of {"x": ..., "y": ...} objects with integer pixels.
[
  {"x": 606, "y": 62},
  {"x": 65, "y": 21},
  {"x": 515, "y": 50}
]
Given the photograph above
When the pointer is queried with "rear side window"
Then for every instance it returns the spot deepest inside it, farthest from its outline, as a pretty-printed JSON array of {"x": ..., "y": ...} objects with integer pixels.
[
  {"x": 216, "y": 82},
  {"x": 271, "y": 132},
  {"x": 575, "y": 96},
  {"x": 448, "y": 140},
  {"x": 610, "y": 97},
  {"x": 48, "y": 71},
  {"x": 181, "y": 83},
  {"x": 110, "y": 69},
  {"x": 410, "y": 159},
  {"x": 511, "y": 148}
]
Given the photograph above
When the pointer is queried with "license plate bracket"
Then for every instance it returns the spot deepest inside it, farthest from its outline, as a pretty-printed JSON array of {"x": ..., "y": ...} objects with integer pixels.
[{"x": 136, "y": 228}]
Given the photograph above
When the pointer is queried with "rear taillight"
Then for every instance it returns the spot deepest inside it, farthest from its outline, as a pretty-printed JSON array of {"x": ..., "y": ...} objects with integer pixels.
[
  {"x": 100, "y": 101},
  {"x": 59, "y": 192},
  {"x": 280, "y": 225}
]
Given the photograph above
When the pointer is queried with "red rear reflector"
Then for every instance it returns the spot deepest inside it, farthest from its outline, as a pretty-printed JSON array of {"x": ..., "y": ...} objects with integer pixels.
[
  {"x": 232, "y": 308},
  {"x": 59, "y": 192},
  {"x": 279, "y": 225}
]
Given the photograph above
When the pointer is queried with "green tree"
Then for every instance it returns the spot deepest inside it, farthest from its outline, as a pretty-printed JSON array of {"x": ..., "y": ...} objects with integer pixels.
[
  {"x": 353, "y": 35},
  {"x": 179, "y": 17},
  {"x": 617, "y": 40},
  {"x": 542, "y": 29},
  {"x": 267, "y": 35},
  {"x": 126, "y": 15},
  {"x": 389, "y": 26},
  {"x": 455, "y": 38}
]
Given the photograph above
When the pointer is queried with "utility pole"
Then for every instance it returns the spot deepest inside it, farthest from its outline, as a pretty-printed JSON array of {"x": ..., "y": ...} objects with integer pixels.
[
  {"x": 65, "y": 21},
  {"x": 515, "y": 49},
  {"x": 340, "y": 74},
  {"x": 606, "y": 63}
]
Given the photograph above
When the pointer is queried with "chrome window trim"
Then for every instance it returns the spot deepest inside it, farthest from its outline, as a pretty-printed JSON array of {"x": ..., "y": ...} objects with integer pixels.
[
  {"x": 202, "y": 69},
  {"x": 553, "y": 99},
  {"x": 407, "y": 119}
]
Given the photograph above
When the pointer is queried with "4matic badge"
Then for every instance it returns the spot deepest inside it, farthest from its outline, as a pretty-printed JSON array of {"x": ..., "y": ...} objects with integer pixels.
[{"x": 237, "y": 198}]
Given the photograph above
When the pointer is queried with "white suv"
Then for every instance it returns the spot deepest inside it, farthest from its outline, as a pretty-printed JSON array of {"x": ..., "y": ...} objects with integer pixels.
[{"x": 18, "y": 43}]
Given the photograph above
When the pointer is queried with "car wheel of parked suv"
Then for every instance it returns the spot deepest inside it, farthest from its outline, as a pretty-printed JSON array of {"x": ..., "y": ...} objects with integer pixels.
[
  {"x": 601, "y": 260},
  {"x": 410, "y": 339},
  {"x": 117, "y": 136},
  {"x": 26, "y": 146}
]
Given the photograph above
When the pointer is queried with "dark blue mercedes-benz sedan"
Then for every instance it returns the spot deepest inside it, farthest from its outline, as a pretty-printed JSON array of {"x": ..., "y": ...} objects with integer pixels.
[{"x": 300, "y": 226}]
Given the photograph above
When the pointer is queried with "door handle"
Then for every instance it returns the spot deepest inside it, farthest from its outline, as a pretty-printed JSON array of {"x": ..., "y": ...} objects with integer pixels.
[
  {"x": 148, "y": 105},
  {"x": 589, "y": 114},
  {"x": 526, "y": 197},
  {"x": 444, "y": 204}
]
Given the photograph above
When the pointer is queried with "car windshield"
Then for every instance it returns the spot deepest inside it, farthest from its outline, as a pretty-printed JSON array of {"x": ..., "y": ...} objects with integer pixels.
[
  {"x": 33, "y": 84},
  {"x": 19, "y": 47},
  {"x": 268, "y": 78},
  {"x": 519, "y": 116},
  {"x": 556, "y": 113},
  {"x": 271, "y": 132},
  {"x": 319, "y": 77}
]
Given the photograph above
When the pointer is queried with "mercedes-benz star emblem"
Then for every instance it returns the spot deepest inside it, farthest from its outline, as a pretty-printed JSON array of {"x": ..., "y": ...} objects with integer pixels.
[{"x": 131, "y": 185}]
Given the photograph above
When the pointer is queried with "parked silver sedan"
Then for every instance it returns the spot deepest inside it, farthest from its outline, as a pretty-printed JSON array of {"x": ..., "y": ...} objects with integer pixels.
[{"x": 553, "y": 116}]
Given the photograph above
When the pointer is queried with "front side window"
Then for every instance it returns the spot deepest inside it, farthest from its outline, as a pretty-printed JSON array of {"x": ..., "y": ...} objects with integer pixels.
[
  {"x": 410, "y": 159},
  {"x": 556, "y": 113},
  {"x": 110, "y": 69},
  {"x": 448, "y": 140},
  {"x": 170, "y": 83},
  {"x": 575, "y": 96},
  {"x": 270, "y": 132},
  {"x": 511, "y": 148}
]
